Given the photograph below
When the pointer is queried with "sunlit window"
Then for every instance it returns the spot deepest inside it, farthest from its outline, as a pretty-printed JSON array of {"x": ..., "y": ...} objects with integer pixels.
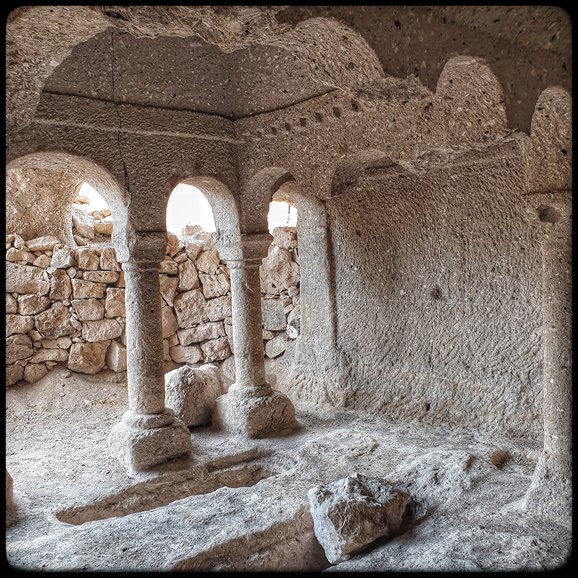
[
  {"x": 281, "y": 214},
  {"x": 188, "y": 210}
]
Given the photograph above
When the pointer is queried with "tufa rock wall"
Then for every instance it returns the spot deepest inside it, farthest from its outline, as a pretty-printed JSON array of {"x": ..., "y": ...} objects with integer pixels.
[
  {"x": 66, "y": 305},
  {"x": 438, "y": 278}
]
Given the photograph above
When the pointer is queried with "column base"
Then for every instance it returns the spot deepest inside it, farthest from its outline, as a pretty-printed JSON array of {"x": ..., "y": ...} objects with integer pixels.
[
  {"x": 144, "y": 441},
  {"x": 254, "y": 417},
  {"x": 550, "y": 493}
]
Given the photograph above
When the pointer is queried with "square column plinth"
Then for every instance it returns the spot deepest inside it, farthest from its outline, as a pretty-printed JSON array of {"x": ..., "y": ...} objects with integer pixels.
[
  {"x": 142, "y": 442},
  {"x": 254, "y": 417}
]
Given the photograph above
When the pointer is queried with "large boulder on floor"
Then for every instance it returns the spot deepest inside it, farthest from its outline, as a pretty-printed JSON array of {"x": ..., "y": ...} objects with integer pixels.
[
  {"x": 351, "y": 513},
  {"x": 191, "y": 392}
]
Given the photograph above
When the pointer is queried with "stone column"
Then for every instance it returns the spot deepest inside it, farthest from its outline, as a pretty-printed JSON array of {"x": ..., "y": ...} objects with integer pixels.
[
  {"x": 550, "y": 493},
  {"x": 318, "y": 371},
  {"x": 251, "y": 407},
  {"x": 149, "y": 434}
]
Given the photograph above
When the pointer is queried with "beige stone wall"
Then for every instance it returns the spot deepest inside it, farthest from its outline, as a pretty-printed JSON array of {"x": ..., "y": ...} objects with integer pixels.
[{"x": 66, "y": 305}]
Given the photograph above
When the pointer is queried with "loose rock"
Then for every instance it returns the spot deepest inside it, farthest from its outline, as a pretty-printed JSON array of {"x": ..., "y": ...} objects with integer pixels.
[
  {"x": 351, "y": 513},
  {"x": 191, "y": 393}
]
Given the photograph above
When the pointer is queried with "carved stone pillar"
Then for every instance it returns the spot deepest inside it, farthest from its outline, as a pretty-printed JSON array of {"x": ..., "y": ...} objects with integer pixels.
[
  {"x": 550, "y": 493},
  {"x": 149, "y": 433},
  {"x": 251, "y": 407}
]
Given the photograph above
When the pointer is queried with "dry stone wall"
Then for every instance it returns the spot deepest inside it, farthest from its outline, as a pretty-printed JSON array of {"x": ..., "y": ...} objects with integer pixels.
[{"x": 66, "y": 305}]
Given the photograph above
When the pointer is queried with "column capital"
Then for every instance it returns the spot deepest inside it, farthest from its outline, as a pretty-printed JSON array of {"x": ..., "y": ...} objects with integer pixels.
[
  {"x": 140, "y": 246},
  {"x": 249, "y": 249}
]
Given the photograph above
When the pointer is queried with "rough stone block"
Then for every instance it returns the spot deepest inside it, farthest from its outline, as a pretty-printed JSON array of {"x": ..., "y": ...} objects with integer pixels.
[
  {"x": 108, "y": 260},
  {"x": 116, "y": 356},
  {"x": 277, "y": 345},
  {"x": 18, "y": 347},
  {"x": 351, "y": 513},
  {"x": 188, "y": 277},
  {"x": 14, "y": 373},
  {"x": 114, "y": 304},
  {"x": 26, "y": 279},
  {"x": 62, "y": 257},
  {"x": 193, "y": 249},
  {"x": 18, "y": 323},
  {"x": 191, "y": 393},
  {"x": 219, "y": 308},
  {"x": 42, "y": 261},
  {"x": 101, "y": 330},
  {"x": 278, "y": 271},
  {"x": 285, "y": 237},
  {"x": 58, "y": 343},
  {"x": 101, "y": 276},
  {"x": 294, "y": 322},
  {"x": 216, "y": 349},
  {"x": 273, "y": 315},
  {"x": 52, "y": 354},
  {"x": 173, "y": 244},
  {"x": 87, "y": 259},
  {"x": 201, "y": 333},
  {"x": 185, "y": 354},
  {"x": 88, "y": 309},
  {"x": 190, "y": 308},
  {"x": 85, "y": 289},
  {"x": 254, "y": 417},
  {"x": 42, "y": 243},
  {"x": 169, "y": 321},
  {"x": 60, "y": 285},
  {"x": 87, "y": 358},
  {"x": 214, "y": 285},
  {"x": 32, "y": 304},
  {"x": 208, "y": 261},
  {"x": 169, "y": 267},
  {"x": 11, "y": 304},
  {"x": 34, "y": 372},
  {"x": 142, "y": 448},
  {"x": 168, "y": 288},
  {"x": 17, "y": 256},
  {"x": 103, "y": 227},
  {"x": 55, "y": 322},
  {"x": 83, "y": 223}
]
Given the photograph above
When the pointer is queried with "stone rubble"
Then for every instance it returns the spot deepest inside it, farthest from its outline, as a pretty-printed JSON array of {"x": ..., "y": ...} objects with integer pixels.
[
  {"x": 67, "y": 305},
  {"x": 351, "y": 513}
]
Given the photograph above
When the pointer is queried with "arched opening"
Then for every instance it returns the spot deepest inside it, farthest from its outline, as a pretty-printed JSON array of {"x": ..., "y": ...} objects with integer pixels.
[
  {"x": 200, "y": 215},
  {"x": 48, "y": 277},
  {"x": 189, "y": 212},
  {"x": 281, "y": 214},
  {"x": 91, "y": 218},
  {"x": 280, "y": 279}
]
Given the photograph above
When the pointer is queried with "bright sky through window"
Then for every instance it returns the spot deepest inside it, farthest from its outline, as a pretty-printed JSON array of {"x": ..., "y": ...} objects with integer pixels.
[{"x": 96, "y": 202}]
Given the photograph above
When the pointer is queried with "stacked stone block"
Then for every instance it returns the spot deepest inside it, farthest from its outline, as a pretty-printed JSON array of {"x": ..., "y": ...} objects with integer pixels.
[{"x": 66, "y": 305}]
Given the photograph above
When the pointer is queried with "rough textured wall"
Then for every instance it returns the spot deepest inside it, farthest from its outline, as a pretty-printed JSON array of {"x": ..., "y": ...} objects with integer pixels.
[
  {"x": 528, "y": 47},
  {"x": 67, "y": 305},
  {"x": 38, "y": 202},
  {"x": 438, "y": 293}
]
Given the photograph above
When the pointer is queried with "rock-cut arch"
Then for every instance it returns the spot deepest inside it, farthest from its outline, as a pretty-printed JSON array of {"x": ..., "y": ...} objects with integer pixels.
[{"x": 81, "y": 169}]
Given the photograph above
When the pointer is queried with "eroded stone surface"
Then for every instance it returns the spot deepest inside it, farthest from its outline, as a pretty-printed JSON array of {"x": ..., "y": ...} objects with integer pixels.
[
  {"x": 255, "y": 417},
  {"x": 87, "y": 357},
  {"x": 191, "y": 393},
  {"x": 351, "y": 513}
]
